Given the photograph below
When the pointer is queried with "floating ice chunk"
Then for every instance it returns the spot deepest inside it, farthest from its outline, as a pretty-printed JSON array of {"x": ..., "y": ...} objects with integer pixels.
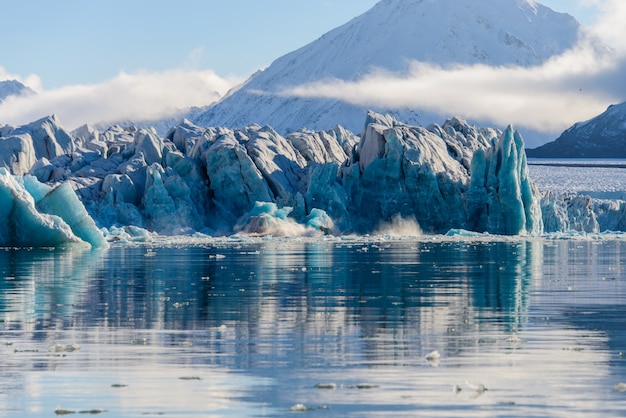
[
  {"x": 63, "y": 348},
  {"x": 299, "y": 407},
  {"x": 364, "y": 386},
  {"x": 479, "y": 389},
  {"x": 22, "y": 224},
  {"x": 328, "y": 386},
  {"x": 463, "y": 233},
  {"x": 620, "y": 387}
]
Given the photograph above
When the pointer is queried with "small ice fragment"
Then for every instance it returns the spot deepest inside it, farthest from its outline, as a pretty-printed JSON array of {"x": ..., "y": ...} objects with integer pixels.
[
  {"x": 514, "y": 340},
  {"x": 620, "y": 387},
  {"x": 479, "y": 389},
  {"x": 433, "y": 356},
  {"x": 60, "y": 348},
  {"x": 300, "y": 408},
  {"x": 363, "y": 386}
]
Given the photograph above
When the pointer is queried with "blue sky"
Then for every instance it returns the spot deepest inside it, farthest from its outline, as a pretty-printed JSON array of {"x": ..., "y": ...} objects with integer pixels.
[{"x": 76, "y": 41}]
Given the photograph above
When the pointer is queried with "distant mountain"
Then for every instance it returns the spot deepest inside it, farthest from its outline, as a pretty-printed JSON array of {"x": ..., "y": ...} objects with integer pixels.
[
  {"x": 388, "y": 37},
  {"x": 13, "y": 88},
  {"x": 601, "y": 137}
]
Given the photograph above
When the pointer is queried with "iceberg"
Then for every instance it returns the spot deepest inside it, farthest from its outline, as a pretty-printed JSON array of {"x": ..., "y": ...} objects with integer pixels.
[{"x": 48, "y": 217}]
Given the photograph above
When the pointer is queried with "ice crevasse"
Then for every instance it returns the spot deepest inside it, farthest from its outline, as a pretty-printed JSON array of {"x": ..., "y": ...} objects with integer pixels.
[{"x": 221, "y": 181}]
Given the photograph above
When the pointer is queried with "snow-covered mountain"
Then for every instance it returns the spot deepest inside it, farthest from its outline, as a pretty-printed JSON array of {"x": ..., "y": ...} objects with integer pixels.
[
  {"x": 388, "y": 37},
  {"x": 601, "y": 137},
  {"x": 13, "y": 88}
]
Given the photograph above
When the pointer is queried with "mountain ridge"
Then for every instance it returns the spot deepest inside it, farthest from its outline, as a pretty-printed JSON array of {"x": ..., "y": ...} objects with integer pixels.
[
  {"x": 10, "y": 88},
  {"x": 603, "y": 136}
]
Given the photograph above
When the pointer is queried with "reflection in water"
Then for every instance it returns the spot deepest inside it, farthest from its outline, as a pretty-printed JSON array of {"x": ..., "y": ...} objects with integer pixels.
[{"x": 258, "y": 324}]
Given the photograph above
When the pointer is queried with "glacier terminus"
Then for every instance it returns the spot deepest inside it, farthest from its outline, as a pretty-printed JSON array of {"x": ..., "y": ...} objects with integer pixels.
[{"x": 217, "y": 181}]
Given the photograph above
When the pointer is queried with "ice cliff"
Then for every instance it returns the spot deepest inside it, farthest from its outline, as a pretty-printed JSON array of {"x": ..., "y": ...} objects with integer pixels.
[
  {"x": 254, "y": 180},
  {"x": 36, "y": 215}
]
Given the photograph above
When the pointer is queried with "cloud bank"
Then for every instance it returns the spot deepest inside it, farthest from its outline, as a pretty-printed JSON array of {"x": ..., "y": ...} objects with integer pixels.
[
  {"x": 549, "y": 98},
  {"x": 567, "y": 89},
  {"x": 138, "y": 96}
]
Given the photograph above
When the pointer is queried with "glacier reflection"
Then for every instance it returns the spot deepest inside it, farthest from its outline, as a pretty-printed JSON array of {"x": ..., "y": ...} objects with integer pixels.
[{"x": 271, "y": 319}]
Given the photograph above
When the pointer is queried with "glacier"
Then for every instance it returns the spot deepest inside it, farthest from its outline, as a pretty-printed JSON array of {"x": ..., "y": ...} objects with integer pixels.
[
  {"x": 92, "y": 187},
  {"x": 218, "y": 181}
]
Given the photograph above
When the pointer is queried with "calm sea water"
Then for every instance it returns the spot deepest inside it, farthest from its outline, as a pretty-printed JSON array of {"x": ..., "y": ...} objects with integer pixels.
[{"x": 320, "y": 329}]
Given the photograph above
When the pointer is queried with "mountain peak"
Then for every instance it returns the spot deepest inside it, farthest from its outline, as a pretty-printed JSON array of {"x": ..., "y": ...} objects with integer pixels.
[
  {"x": 389, "y": 37},
  {"x": 13, "y": 88},
  {"x": 604, "y": 136}
]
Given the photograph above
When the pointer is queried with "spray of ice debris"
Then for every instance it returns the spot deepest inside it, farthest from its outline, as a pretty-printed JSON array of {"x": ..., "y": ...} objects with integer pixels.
[{"x": 400, "y": 227}]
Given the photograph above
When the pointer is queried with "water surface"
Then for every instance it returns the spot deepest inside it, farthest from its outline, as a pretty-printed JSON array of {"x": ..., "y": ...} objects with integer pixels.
[{"x": 328, "y": 328}]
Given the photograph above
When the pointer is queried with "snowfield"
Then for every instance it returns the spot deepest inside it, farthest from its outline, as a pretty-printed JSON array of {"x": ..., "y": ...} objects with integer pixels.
[{"x": 597, "y": 178}]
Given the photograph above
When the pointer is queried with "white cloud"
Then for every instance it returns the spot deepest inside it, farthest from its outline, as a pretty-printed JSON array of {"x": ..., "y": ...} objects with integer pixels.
[
  {"x": 137, "y": 96},
  {"x": 610, "y": 23},
  {"x": 549, "y": 98}
]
